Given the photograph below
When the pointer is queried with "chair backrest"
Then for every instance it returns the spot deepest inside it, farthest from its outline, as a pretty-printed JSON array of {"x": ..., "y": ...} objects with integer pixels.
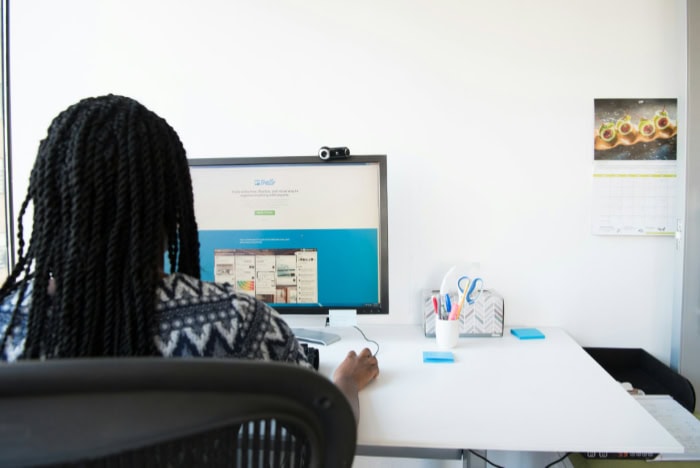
[{"x": 172, "y": 412}]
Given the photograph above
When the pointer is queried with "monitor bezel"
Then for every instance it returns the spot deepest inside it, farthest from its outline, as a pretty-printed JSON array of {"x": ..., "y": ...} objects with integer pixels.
[{"x": 379, "y": 159}]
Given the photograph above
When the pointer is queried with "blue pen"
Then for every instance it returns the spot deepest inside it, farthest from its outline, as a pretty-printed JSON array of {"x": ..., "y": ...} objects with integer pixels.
[{"x": 448, "y": 304}]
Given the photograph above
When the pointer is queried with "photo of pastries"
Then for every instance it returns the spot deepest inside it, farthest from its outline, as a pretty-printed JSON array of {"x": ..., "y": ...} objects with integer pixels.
[{"x": 635, "y": 129}]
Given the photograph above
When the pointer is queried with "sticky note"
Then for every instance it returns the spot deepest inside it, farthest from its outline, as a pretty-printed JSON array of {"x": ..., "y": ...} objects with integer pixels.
[
  {"x": 527, "y": 333},
  {"x": 438, "y": 356}
]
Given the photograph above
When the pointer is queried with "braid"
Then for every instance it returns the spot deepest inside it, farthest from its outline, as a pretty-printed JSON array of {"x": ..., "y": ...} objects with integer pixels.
[
  {"x": 110, "y": 184},
  {"x": 187, "y": 236},
  {"x": 183, "y": 241}
]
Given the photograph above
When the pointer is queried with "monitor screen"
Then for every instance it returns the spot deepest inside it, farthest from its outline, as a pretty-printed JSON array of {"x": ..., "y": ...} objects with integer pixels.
[{"x": 302, "y": 234}]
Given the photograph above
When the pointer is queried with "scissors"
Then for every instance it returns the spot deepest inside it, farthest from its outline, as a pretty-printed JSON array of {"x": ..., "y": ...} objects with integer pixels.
[{"x": 470, "y": 288}]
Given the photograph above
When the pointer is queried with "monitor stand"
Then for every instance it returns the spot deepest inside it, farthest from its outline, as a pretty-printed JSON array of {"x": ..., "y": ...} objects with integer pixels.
[{"x": 315, "y": 336}]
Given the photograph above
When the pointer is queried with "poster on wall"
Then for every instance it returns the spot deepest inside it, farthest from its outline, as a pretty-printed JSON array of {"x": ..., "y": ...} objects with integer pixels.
[{"x": 634, "y": 167}]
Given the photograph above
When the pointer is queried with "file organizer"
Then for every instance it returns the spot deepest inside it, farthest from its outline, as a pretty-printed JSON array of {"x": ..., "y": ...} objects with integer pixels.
[{"x": 483, "y": 318}]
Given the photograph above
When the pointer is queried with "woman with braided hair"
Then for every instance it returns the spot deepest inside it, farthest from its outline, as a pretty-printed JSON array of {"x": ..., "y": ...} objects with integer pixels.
[{"x": 110, "y": 191}]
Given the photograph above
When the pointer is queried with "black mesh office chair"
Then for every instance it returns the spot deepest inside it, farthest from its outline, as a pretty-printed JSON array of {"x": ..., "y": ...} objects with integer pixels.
[{"x": 156, "y": 412}]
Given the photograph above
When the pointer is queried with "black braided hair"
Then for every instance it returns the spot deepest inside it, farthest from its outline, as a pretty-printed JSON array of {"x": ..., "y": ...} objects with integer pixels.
[{"x": 110, "y": 190}]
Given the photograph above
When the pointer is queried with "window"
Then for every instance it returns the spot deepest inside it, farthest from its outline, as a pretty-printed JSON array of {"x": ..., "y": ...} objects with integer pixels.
[{"x": 5, "y": 198}]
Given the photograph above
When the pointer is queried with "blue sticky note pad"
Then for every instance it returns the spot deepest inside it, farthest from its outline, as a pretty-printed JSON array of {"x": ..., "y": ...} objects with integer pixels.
[
  {"x": 527, "y": 333},
  {"x": 438, "y": 356}
]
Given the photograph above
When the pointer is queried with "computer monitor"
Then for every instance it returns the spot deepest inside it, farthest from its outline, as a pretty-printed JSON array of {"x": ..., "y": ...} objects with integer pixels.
[{"x": 304, "y": 235}]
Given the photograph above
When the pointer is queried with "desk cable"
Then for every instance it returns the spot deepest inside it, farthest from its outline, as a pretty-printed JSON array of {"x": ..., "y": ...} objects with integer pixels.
[
  {"x": 363, "y": 336},
  {"x": 367, "y": 339},
  {"x": 558, "y": 460},
  {"x": 477, "y": 454}
]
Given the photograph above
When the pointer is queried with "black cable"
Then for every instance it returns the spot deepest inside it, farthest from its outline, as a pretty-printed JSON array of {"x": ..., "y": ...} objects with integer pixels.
[
  {"x": 485, "y": 459},
  {"x": 367, "y": 339},
  {"x": 499, "y": 466},
  {"x": 558, "y": 460}
]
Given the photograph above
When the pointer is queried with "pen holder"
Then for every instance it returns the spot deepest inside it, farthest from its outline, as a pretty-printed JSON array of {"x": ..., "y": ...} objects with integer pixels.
[
  {"x": 446, "y": 333},
  {"x": 483, "y": 318}
]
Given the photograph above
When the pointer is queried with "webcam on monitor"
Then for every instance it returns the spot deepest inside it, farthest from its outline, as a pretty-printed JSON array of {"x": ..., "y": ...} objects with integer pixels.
[{"x": 327, "y": 153}]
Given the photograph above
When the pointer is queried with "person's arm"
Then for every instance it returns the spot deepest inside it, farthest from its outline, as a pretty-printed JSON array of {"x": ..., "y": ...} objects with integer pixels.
[{"x": 355, "y": 373}]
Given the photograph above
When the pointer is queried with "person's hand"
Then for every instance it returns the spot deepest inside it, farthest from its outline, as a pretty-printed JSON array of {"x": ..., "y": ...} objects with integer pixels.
[{"x": 361, "y": 369}]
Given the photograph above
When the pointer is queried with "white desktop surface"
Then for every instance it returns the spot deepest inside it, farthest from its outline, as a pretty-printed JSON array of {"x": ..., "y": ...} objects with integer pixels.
[{"x": 544, "y": 395}]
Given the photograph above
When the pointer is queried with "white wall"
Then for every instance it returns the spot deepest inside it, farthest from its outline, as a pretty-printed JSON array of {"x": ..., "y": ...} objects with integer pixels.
[{"x": 485, "y": 110}]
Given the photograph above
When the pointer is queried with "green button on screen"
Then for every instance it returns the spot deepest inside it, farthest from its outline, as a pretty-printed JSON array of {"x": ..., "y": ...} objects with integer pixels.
[{"x": 264, "y": 212}]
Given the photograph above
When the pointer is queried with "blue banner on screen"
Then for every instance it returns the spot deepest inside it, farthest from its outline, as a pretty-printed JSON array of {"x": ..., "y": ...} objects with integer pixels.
[{"x": 291, "y": 268}]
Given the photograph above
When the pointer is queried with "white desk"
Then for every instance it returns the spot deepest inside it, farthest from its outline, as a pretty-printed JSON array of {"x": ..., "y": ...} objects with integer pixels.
[{"x": 499, "y": 394}]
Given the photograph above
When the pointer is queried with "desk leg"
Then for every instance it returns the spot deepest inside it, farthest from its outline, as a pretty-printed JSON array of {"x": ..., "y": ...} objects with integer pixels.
[{"x": 469, "y": 460}]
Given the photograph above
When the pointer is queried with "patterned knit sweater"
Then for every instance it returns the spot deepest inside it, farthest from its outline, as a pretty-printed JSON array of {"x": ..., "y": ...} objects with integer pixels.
[{"x": 195, "y": 318}]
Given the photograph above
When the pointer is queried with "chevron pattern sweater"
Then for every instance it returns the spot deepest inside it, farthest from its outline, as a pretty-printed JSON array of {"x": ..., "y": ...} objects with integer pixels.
[{"x": 195, "y": 318}]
